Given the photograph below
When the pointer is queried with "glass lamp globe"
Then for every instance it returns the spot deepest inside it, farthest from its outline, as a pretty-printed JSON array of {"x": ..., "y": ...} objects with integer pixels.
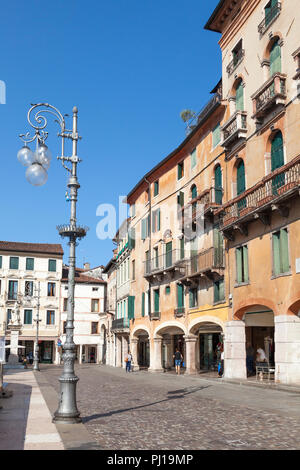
[
  {"x": 43, "y": 156},
  {"x": 36, "y": 174},
  {"x": 25, "y": 156}
]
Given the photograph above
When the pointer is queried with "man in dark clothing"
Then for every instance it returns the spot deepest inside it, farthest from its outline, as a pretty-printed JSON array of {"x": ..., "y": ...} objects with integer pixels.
[{"x": 178, "y": 358}]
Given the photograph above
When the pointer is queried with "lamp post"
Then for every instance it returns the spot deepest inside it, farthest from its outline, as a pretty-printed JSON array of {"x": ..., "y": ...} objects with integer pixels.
[
  {"x": 37, "y": 293},
  {"x": 37, "y": 164}
]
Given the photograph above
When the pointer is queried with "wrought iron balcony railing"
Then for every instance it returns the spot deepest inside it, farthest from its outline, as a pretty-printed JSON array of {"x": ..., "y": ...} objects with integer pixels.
[
  {"x": 206, "y": 261},
  {"x": 200, "y": 117},
  {"x": 270, "y": 190},
  {"x": 273, "y": 92},
  {"x": 238, "y": 58},
  {"x": 269, "y": 18},
  {"x": 120, "y": 324},
  {"x": 167, "y": 261},
  {"x": 234, "y": 129}
]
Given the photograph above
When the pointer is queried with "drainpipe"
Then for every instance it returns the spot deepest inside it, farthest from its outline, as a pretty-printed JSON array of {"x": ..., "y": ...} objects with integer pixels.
[{"x": 150, "y": 241}]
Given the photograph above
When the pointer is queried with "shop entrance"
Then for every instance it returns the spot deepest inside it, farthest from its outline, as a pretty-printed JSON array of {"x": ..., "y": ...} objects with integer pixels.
[
  {"x": 209, "y": 350},
  {"x": 143, "y": 352},
  {"x": 46, "y": 352}
]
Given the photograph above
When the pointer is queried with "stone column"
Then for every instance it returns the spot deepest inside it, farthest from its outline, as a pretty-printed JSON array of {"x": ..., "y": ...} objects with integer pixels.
[
  {"x": 155, "y": 356},
  {"x": 13, "y": 358},
  {"x": 235, "y": 350},
  {"x": 124, "y": 350},
  {"x": 287, "y": 349},
  {"x": 134, "y": 352},
  {"x": 118, "y": 351},
  {"x": 190, "y": 359},
  {"x": 169, "y": 353},
  {"x": 80, "y": 354}
]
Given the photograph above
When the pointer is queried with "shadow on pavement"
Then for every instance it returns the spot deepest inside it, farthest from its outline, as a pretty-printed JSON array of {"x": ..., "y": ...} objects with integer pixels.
[{"x": 179, "y": 394}]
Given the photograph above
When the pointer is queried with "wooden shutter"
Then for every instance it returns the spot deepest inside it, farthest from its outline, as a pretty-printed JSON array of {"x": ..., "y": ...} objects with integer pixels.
[
  {"x": 131, "y": 299},
  {"x": 241, "y": 182},
  {"x": 275, "y": 58},
  {"x": 143, "y": 304},
  {"x": 131, "y": 239},
  {"x": 168, "y": 254},
  {"x": 216, "y": 135},
  {"x": 156, "y": 300},
  {"x": 194, "y": 191},
  {"x": 276, "y": 253},
  {"x": 218, "y": 185},
  {"x": 180, "y": 296},
  {"x": 245, "y": 264},
  {"x": 239, "y": 275},
  {"x": 284, "y": 251},
  {"x": 277, "y": 159},
  {"x": 239, "y": 96}
]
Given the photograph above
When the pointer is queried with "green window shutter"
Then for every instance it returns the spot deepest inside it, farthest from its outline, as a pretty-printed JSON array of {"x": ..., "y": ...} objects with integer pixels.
[
  {"x": 156, "y": 300},
  {"x": 276, "y": 253},
  {"x": 143, "y": 304},
  {"x": 13, "y": 262},
  {"x": 245, "y": 262},
  {"x": 131, "y": 239},
  {"x": 194, "y": 158},
  {"x": 182, "y": 248},
  {"x": 239, "y": 97},
  {"x": 130, "y": 306},
  {"x": 218, "y": 185},
  {"x": 27, "y": 317},
  {"x": 143, "y": 229},
  {"x": 0, "y": 262},
  {"x": 180, "y": 296},
  {"x": 216, "y": 135},
  {"x": 241, "y": 181},
  {"x": 275, "y": 58},
  {"x": 239, "y": 274},
  {"x": 168, "y": 290},
  {"x": 277, "y": 159},
  {"x": 168, "y": 254},
  {"x": 180, "y": 199},
  {"x": 156, "y": 188},
  {"x": 158, "y": 219},
  {"x": 180, "y": 170},
  {"x": 284, "y": 251},
  {"x": 221, "y": 289},
  {"x": 52, "y": 265},
  {"x": 153, "y": 221},
  {"x": 194, "y": 191},
  {"x": 216, "y": 291},
  {"x": 29, "y": 264}
]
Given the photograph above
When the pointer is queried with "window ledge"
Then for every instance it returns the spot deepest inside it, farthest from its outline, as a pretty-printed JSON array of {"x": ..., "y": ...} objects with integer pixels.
[
  {"x": 241, "y": 284},
  {"x": 281, "y": 275},
  {"x": 219, "y": 302}
]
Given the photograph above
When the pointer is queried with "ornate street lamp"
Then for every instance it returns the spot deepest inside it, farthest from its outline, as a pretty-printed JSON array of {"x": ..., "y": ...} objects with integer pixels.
[
  {"x": 37, "y": 164},
  {"x": 29, "y": 298}
]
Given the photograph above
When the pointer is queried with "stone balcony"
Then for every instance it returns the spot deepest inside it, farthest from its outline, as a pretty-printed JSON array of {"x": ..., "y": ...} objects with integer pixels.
[
  {"x": 120, "y": 325},
  {"x": 234, "y": 130},
  {"x": 179, "y": 312},
  {"x": 201, "y": 207},
  {"x": 257, "y": 203},
  {"x": 271, "y": 94}
]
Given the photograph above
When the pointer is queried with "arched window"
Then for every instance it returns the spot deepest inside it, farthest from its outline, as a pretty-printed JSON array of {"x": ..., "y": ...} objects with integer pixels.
[
  {"x": 218, "y": 185},
  {"x": 277, "y": 160},
  {"x": 194, "y": 191},
  {"x": 275, "y": 58},
  {"x": 239, "y": 96}
]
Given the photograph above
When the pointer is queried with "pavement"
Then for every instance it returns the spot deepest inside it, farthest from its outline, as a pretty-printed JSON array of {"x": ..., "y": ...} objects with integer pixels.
[{"x": 148, "y": 411}]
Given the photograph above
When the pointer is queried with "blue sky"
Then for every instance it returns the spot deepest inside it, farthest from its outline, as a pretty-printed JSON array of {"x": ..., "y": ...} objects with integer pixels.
[{"x": 131, "y": 67}]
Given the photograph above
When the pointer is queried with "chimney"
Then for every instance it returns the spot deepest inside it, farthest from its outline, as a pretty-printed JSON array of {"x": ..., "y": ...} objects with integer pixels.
[{"x": 86, "y": 266}]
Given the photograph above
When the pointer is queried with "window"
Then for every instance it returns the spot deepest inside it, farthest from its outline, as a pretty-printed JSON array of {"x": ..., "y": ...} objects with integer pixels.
[
  {"x": 13, "y": 262},
  {"x": 0, "y": 262},
  {"x": 180, "y": 198},
  {"x": 133, "y": 210},
  {"x": 180, "y": 171},
  {"x": 131, "y": 238},
  {"x": 65, "y": 304},
  {"x": 156, "y": 220},
  {"x": 169, "y": 253},
  {"x": 50, "y": 317},
  {"x": 275, "y": 58},
  {"x": 8, "y": 315},
  {"x": 156, "y": 188},
  {"x": 27, "y": 317},
  {"x": 29, "y": 264},
  {"x": 180, "y": 296},
  {"x": 193, "y": 297},
  {"x": 281, "y": 262},
  {"x": 12, "y": 290},
  {"x": 94, "y": 328},
  {"x": 156, "y": 300},
  {"x": 218, "y": 185},
  {"x": 29, "y": 288},
  {"x": 95, "y": 305},
  {"x": 216, "y": 135},
  {"x": 130, "y": 306},
  {"x": 239, "y": 96},
  {"x": 52, "y": 265},
  {"x": 64, "y": 327},
  {"x": 219, "y": 294},
  {"x": 133, "y": 270},
  {"x": 143, "y": 304},
  {"x": 182, "y": 248},
  {"x": 277, "y": 160},
  {"x": 271, "y": 10},
  {"x": 168, "y": 290},
  {"x": 240, "y": 178},
  {"x": 194, "y": 191},
  {"x": 146, "y": 227},
  {"x": 242, "y": 274},
  {"x": 156, "y": 259},
  {"x": 51, "y": 289},
  {"x": 193, "y": 158},
  {"x": 95, "y": 289}
]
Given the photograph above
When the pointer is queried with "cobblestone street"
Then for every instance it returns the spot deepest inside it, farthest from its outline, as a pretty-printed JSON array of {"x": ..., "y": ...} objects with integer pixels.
[{"x": 143, "y": 410}]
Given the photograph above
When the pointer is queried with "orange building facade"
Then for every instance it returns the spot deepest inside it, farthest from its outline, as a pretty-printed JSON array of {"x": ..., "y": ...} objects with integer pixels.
[{"x": 216, "y": 254}]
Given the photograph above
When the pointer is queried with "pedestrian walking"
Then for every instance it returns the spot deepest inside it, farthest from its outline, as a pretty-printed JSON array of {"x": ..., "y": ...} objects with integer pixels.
[
  {"x": 128, "y": 361},
  {"x": 178, "y": 358}
]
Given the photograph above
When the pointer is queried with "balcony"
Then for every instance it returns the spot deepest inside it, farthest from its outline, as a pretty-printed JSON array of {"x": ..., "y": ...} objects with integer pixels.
[
  {"x": 179, "y": 312},
  {"x": 204, "y": 114},
  {"x": 269, "y": 19},
  {"x": 271, "y": 94},
  {"x": 169, "y": 263},
  {"x": 205, "y": 263},
  {"x": 236, "y": 61},
  {"x": 271, "y": 193},
  {"x": 154, "y": 315},
  {"x": 120, "y": 324},
  {"x": 234, "y": 130},
  {"x": 202, "y": 206}
]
